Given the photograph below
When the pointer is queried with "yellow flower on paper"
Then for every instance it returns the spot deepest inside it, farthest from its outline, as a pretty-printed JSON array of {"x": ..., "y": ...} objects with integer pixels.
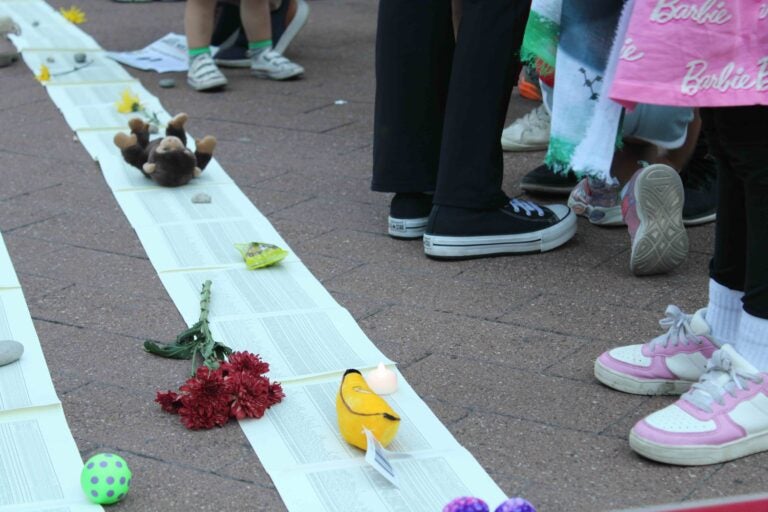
[
  {"x": 128, "y": 103},
  {"x": 45, "y": 73},
  {"x": 73, "y": 14}
]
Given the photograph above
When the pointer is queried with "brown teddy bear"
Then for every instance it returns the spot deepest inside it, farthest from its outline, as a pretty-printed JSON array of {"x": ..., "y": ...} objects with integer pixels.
[{"x": 168, "y": 161}]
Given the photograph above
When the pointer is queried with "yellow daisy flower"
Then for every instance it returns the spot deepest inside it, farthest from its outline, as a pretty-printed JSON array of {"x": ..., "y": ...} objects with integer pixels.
[
  {"x": 73, "y": 14},
  {"x": 45, "y": 73},
  {"x": 128, "y": 103}
]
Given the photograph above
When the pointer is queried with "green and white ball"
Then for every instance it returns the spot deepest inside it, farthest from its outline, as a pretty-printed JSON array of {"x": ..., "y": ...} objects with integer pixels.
[{"x": 105, "y": 478}]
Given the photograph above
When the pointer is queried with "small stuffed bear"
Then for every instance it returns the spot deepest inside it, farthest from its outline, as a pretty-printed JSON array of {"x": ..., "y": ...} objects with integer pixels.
[{"x": 168, "y": 161}]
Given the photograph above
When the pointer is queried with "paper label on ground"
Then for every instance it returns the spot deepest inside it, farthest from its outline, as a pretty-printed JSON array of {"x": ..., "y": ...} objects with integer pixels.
[
  {"x": 301, "y": 344},
  {"x": 236, "y": 292},
  {"x": 427, "y": 482},
  {"x": 97, "y": 68},
  {"x": 44, "y": 28},
  {"x": 26, "y": 382},
  {"x": 303, "y": 430},
  {"x": 39, "y": 462},
  {"x": 376, "y": 457},
  {"x": 167, "y": 54}
]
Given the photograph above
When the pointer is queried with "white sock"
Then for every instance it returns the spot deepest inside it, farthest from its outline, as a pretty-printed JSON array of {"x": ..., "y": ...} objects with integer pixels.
[
  {"x": 723, "y": 312},
  {"x": 753, "y": 340}
]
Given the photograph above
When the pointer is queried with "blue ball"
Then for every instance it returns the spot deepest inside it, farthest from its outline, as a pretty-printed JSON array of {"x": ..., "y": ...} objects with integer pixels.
[
  {"x": 515, "y": 505},
  {"x": 466, "y": 504}
]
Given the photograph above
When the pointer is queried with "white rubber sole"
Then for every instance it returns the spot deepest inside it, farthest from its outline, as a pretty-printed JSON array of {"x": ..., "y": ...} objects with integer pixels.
[
  {"x": 208, "y": 86},
  {"x": 510, "y": 146},
  {"x": 605, "y": 216},
  {"x": 457, "y": 247},
  {"x": 698, "y": 455},
  {"x": 284, "y": 75},
  {"x": 661, "y": 242},
  {"x": 294, "y": 27},
  {"x": 233, "y": 63},
  {"x": 628, "y": 384},
  {"x": 408, "y": 229},
  {"x": 698, "y": 221}
]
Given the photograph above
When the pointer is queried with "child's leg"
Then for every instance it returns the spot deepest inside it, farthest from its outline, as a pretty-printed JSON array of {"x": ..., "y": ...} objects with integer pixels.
[
  {"x": 728, "y": 265},
  {"x": 257, "y": 24},
  {"x": 198, "y": 24},
  {"x": 203, "y": 75},
  {"x": 265, "y": 62},
  {"x": 723, "y": 417},
  {"x": 745, "y": 267}
]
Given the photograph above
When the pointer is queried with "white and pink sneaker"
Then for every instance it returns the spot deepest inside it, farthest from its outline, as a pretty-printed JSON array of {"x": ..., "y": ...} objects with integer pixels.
[
  {"x": 724, "y": 416},
  {"x": 668, "y": 364}
]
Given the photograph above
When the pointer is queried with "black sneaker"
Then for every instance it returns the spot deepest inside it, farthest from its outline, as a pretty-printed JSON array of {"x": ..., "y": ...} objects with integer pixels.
[
  {"x": 545, "y": 180},
  {"x": 700, "y": 188},
  {"x": 235, "y": 54},
  {"x": 518, "y": 228},
  {"x": 408, "y": 215}
]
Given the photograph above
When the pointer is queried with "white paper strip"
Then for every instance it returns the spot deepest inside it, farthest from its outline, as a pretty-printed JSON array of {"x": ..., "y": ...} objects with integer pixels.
[{"x": 27, "y": 382}]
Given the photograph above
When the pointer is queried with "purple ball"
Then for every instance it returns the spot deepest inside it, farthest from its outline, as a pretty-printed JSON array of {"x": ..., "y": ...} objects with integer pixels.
[
  {"x": 466, "y": 504},
  {"x": 515, "y": 505}
]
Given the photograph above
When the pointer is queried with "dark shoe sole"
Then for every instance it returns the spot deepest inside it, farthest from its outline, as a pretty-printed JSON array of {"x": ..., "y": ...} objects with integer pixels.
[
  {"x": 536, "y": 188},
  {"x": 464, "y": 247}
]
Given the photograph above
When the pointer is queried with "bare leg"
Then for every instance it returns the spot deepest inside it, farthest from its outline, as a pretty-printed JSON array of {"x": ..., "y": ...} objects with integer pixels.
[
  {"x": 677, "y": 158},
  {"x": 198, "y": 22},
  {"x": 625, "y": 160},
  {"x": 255, "y": 16}
]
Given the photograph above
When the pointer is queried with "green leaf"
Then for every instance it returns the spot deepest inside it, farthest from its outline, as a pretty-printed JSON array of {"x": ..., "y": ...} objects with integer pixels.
[{"x": 172, "y": 351}]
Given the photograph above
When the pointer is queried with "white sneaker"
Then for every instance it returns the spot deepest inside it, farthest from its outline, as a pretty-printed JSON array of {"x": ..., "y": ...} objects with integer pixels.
[
  {"x": 529, "y": 133},
  {"x": 668, "y": 364},
  {"x": 723, "y": 417},
  {"x": 203, "y": 74},
  {"x": 271, "y": 64}
]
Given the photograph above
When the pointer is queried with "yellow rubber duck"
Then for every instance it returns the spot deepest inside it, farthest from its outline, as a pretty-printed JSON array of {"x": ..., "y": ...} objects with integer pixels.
[{"x": 358, "y": 407}]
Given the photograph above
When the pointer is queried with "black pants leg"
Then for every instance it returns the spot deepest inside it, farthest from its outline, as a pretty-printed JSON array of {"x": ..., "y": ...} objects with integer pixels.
[
  {"x": 738, "y": 138},
  {"x": 484, "y": 72},
  {"x": 414, "y": 49},
  {"x": 432, "y": 136}
]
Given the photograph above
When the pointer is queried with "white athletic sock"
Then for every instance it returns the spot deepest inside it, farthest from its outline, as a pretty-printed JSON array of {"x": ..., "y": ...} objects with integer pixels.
[
  {"x": 753, "y": 340},
  {"x": 724, "y": 312}
]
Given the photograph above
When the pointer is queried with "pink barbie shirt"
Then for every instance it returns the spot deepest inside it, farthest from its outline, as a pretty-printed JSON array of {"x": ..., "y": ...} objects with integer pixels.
[{"x": 700, "y": 53}]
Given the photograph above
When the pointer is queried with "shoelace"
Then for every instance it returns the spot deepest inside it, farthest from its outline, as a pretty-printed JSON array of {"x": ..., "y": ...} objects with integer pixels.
[
  {"x": 526, "y": 206},
  {"x": 720, "y": 378},
  {"x": 678, "y": 326}
]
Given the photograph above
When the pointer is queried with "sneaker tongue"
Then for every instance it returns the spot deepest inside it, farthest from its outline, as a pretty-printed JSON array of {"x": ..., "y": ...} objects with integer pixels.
[
  {"x": 739, "y": 363},
  {"x": 699, "y": 325}
]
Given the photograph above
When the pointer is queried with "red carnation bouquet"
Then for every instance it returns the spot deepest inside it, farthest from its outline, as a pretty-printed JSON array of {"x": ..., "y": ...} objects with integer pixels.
[
  {"x": 223, "y": 385},
  {"x": 236, "y": 389}
]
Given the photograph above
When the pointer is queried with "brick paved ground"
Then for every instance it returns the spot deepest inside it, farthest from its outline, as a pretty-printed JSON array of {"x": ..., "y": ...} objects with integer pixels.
[{"x": 501, "y": 349}]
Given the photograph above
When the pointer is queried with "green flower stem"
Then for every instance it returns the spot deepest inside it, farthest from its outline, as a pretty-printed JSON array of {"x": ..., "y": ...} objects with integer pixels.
[{"x": 196, "y": 342}]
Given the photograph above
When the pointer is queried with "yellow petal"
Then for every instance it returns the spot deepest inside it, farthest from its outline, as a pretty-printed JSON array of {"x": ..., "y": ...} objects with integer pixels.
[
  {"x": 45, "y": 73},
  {"x": 73, "y": 14},
  {"x": 128, "y": 103}
]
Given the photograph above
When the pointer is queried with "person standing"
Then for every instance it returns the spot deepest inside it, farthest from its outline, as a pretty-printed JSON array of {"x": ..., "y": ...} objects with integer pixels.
[{"x": 439, "y": 112}]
